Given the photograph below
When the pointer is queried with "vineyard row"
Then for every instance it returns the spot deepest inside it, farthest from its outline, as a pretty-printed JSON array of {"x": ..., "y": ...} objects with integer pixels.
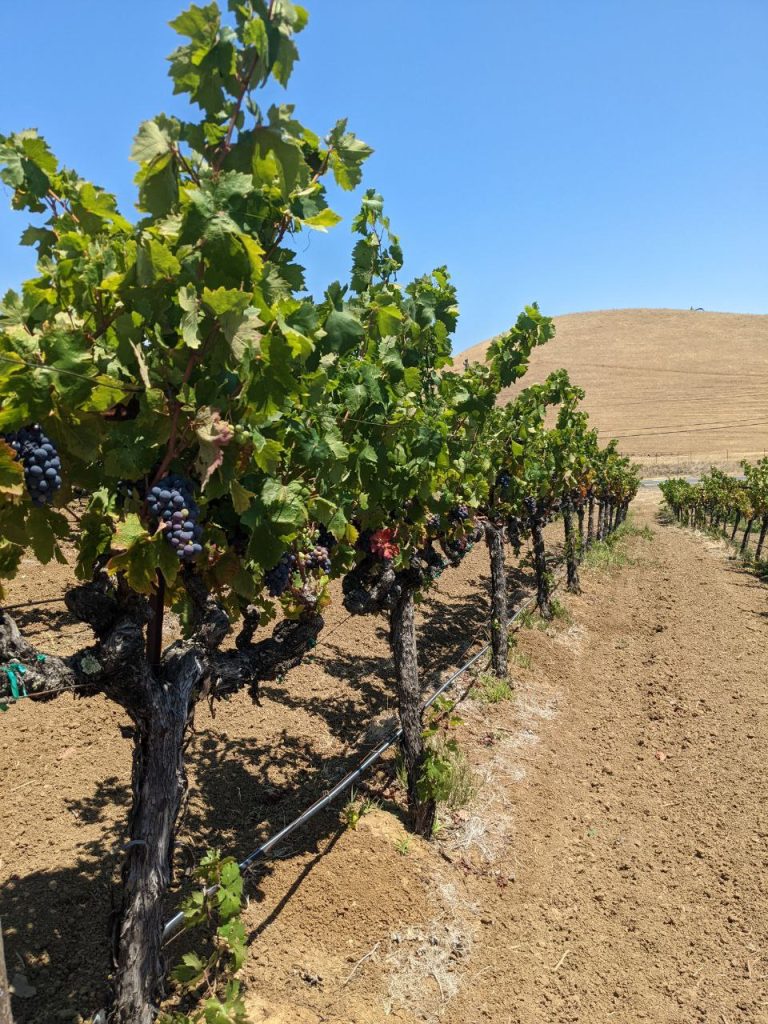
[{"x": 229, "y": 444}]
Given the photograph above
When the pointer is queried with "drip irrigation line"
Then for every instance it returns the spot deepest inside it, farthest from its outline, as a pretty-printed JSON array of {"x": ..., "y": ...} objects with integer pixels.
[
  {"x": 176, "y": 923},
  {"x": 31, "y": 604}
]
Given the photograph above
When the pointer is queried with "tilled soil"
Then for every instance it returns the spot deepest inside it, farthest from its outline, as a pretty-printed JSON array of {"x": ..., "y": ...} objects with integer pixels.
[
  {"x": 610, "y": 867},
  {"x": 65, "y": 770}
]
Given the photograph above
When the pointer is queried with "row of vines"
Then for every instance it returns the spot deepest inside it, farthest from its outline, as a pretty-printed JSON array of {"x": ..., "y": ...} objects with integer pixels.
[
  {"x": 725, "y": 504},
  {"x": 215, "y": 444}
]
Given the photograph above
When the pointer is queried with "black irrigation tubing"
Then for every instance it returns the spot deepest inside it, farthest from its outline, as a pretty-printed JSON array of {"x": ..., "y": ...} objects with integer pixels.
[
  {"x": 31, "y": 604},
  {"x": 176, "y": 923}
]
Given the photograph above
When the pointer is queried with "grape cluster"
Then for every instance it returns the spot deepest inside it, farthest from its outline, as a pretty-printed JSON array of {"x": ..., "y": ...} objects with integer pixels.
[
  {"x": 170, "y": 502},
  {"x": 503, "y": 480},
  {"x": 459, "y": 513},
  {"x": 41, "y": 462},
  {"x": 433, "y": 521},
  {"x": 279, "y": 576},
  {"x": 318, "y": 558}
]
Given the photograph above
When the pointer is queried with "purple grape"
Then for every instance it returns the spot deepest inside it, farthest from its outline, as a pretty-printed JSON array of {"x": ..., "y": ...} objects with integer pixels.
[
  {"x": 40, "y": 461},
  {"x": 278, "y": 577},
  {"x": 170, "y": 501},
  {"x": 459, "y": 513}
]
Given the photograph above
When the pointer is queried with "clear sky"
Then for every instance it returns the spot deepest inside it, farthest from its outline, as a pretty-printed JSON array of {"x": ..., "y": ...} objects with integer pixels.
[{"x": 586, "y": 154}]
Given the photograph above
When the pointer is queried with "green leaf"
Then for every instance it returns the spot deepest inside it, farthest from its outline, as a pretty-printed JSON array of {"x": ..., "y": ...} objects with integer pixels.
[
  {"x": 96, "y": 531},
  {"x": 388, "y": 319},
  {"x": 198, "y": 23},
  {"x": 285, "y": 503},
  {"x": 10, "y": 558},
  {"x": 347, "y": 156},
  {"x": 11, "y": 472},
  {"x": 233, "y": 934},
  {"x": 189, "y": 970},
  {"x": 267, "y": 452},
  {"x": 343, "y": 332},
  {"x": 44, "y": 529},
  {"x": 128, "y": 532},
  {"x": 101, "y": 205},
  {"x": 276, "y": 159},
  {"x": 241, "y": 497},
  {"x": 150, "y": 142},
  {"x": 225, "y": 300},
  {"x": 322, "y": 221},
  {"x": 155, "y": 260},
  {"x": 190, "y": 317}
]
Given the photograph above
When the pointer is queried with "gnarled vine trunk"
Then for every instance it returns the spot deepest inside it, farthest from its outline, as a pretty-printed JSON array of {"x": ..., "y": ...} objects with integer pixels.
[
  {"x": 736, "y": 522},
  {"x": 745, "y": 538},
  {"x": 543, "y": 580},
  {"x": 494, "y": 538},
  {"x": 160, "y": 705},
  {"x": 571, "y": 549},
  {"x": 580, "y": 517},
  {"x": 761, "y": 538},
  {"x": 591, "y": 521},
  {"x": 159, "y": 785},
  {"x": 601, "y": 520},
  {"x": 6, "y": 1017},
  {"x": 403, "y": 641}
]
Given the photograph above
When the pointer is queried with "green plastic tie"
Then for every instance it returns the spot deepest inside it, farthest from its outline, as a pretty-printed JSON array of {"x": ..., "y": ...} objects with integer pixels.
[{"x": 18, "y": 689}]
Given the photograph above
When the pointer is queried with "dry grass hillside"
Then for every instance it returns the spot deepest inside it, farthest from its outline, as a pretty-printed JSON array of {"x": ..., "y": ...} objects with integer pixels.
[{"x": 678, "y": 388}]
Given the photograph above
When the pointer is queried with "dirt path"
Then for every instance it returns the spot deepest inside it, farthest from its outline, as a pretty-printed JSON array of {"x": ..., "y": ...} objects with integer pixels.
[
  {"x": 613, "y": 865},
  {"x": 641, "y": 851}
]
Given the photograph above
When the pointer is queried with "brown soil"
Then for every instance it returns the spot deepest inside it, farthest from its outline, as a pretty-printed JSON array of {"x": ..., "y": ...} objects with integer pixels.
[
  {"x": 679, "y": 388},
  {"x": 611, "y": 866},
  {"x": 66, "y": 772}
]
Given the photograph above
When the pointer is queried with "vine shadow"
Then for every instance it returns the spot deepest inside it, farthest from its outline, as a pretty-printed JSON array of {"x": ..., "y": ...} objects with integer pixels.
[{"x": 57, "y": 922}]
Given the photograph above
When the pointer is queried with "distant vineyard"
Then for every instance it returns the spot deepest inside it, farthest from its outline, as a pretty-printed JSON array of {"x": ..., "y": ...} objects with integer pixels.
[{"x": 724, "y": 503}]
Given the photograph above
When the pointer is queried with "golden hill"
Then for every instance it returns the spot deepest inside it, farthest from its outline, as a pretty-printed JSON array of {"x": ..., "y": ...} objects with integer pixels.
[{"x": 678, "y": 388}]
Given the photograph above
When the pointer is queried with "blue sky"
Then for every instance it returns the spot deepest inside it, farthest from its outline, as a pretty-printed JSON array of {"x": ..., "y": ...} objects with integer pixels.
[{"x": 586, "y": 155}]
